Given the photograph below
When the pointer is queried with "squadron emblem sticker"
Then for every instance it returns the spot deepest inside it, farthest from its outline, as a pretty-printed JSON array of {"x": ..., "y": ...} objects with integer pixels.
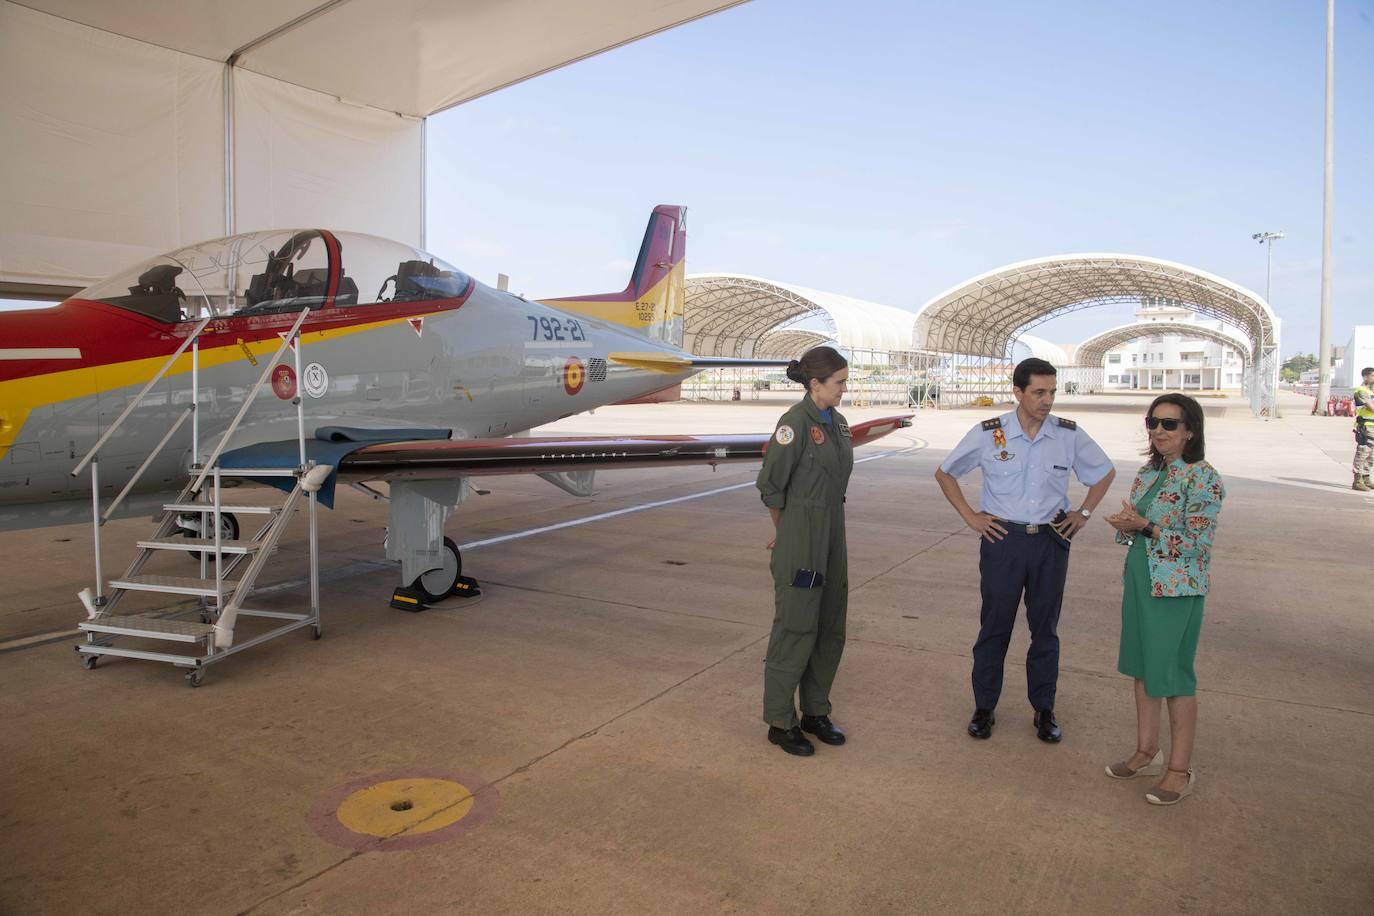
[
  {"x": 284, "y": 382},
  {"x": 784, "y": 435},
  {"x": 315, "y": 380},
  {"x": 574, "y": 374},
  {"x": 818, "y": 435}
]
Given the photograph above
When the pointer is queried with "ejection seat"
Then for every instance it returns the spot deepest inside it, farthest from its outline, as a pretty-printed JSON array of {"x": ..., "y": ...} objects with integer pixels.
[{"x": 156, "y": 294}]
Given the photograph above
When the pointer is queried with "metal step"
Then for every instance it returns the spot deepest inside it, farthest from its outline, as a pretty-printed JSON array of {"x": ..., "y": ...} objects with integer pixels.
[
  {"x": 197, "y": 508},
  {"x": 198, "y": 544},
  {"x": 257, "y": 472},
  {"x": 149, "y": 626},
  {"x": 172, "y": 585}
]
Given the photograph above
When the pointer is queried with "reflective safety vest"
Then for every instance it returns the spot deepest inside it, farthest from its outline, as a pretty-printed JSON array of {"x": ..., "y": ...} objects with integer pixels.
[{"x": 1364, "y": 414}]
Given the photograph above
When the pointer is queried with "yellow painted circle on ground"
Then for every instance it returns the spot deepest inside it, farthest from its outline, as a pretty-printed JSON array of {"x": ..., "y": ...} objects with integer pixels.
[{"x": 405, "y": 806}]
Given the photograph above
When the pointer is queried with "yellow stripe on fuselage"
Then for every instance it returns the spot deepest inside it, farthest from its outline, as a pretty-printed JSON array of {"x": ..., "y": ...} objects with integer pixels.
[{"x": 19, "y": 397}]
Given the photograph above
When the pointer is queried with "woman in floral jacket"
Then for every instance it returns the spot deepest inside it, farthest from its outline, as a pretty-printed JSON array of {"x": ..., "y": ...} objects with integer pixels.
[{"x": 1169, "y": 523}]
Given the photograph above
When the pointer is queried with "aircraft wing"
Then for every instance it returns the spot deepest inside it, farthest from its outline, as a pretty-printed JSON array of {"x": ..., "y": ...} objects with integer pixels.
[
  {"x": 673, "y": 363},
  {"x": 550, "y": 454}
]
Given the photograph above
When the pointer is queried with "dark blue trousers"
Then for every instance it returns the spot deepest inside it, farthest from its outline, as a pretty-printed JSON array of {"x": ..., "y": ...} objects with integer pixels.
[{"x": 1034, "y": 565}]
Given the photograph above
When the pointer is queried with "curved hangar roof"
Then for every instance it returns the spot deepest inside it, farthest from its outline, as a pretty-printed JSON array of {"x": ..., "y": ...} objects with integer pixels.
[
  {"x": 1093, "y": 351},
  {"x": 432, "y": 55},
  {"x": 741, "y": 316},
  {"x": 981, "y": 316}
]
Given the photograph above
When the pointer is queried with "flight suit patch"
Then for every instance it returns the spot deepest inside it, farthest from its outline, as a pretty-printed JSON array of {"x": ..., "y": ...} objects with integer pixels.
[
  {"x": 784, "y": 435},
  {"x": 844, "y": 430},
  {"x": 818, "y": 435},
  {"x": 999, "y": 439}
]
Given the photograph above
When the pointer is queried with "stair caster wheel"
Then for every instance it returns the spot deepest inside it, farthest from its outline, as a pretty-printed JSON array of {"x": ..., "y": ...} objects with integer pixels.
[
  {"x": 317, "y": 632},
  {"x": 89, "y": 661},
  {"x": 194, "y": 678}
]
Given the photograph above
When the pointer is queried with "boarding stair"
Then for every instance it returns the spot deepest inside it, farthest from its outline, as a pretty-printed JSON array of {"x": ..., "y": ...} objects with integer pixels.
[{"x": 198, "y": 522}]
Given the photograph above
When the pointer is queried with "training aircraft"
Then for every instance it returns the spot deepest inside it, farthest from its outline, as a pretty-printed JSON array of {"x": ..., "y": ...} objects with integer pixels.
[{"x": 402, "y": 370}]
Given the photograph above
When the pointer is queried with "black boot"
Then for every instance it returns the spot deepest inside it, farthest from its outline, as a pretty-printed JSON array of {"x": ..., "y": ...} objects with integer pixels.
[
  {"x": 823, "y": 729},
  {"x": 1046, "y": 729},
  {"x": 791, "y": 740},
  {"x": 981, "y": 724}
]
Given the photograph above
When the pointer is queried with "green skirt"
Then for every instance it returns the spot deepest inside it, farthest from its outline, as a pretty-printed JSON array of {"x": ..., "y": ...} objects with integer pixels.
[{"x": 1158, "y": 635}]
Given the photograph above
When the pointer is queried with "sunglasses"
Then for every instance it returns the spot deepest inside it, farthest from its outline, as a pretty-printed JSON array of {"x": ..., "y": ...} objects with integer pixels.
[{"x": 1169, "y": 423}]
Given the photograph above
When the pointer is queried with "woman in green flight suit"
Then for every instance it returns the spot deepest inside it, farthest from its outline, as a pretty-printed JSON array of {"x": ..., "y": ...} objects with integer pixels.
[{"x": 803, "y": 481}]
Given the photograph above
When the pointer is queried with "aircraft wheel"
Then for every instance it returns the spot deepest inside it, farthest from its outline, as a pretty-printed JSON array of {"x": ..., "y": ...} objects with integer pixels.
[
  {"x": 436, "y": 585},
  {"x": 228, "y": 531}
]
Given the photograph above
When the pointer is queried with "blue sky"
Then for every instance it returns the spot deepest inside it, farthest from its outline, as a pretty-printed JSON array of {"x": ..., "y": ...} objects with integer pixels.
[{"x": 891, "y": 150}]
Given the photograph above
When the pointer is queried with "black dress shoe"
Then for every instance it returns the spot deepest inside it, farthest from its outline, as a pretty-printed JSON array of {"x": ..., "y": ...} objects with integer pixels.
[
  {"x": 791, "y": 740},
  {"x": 981, "y": 724},
  {"x": 1046, "y": 729},
  {"x": 823, "y": 729}
]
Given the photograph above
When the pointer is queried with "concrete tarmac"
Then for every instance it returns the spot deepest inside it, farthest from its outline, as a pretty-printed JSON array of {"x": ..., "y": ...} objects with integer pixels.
[{"x": 607, "y": 688}]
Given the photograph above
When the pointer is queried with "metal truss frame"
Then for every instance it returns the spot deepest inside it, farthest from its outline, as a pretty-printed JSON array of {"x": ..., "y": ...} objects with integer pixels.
[{"x": 983, "y": 316}]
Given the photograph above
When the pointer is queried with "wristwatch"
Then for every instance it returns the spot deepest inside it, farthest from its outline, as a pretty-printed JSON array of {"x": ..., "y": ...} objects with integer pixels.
[
  {"x": 1086, "y": 513},
  {"x": 1149, "y": 530}
]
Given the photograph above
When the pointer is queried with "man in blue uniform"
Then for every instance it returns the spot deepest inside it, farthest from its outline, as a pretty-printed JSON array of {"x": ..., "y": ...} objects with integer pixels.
[{"x": 1026, "y": 523}]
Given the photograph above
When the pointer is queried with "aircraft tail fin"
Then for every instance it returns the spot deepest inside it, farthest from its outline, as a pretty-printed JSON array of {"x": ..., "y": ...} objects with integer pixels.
[{"x": 652, "y": 303}]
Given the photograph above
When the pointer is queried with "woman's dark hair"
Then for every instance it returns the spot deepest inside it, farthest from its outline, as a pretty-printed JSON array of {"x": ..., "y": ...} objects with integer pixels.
[
  {"x": 817, "y": 363},
  {"x": 1193, "y": 449},
  {"x": 1021, "y": 376}
]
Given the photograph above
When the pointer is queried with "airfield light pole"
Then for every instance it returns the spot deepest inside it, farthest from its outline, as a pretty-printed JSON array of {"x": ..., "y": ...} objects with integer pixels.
[
  {"x": 1324, "y": 342},
  {"x": 1268, "y": 238}
]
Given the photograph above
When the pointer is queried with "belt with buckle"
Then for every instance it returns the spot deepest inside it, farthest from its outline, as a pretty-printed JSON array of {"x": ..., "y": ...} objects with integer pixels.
[{"x": 1024, "y": 526}]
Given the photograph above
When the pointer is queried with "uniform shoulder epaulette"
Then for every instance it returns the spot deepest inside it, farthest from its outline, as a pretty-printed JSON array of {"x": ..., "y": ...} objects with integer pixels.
[
  {"x": 994, "y": 423},
  {"x": 1067, "y": 424}
]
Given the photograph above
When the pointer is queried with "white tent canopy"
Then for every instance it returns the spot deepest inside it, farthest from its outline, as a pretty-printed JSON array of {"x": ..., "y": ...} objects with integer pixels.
[
  {"x": 1043, "y": 349},
  {"x": 136, "y": 127},
  {"x": 742, "y": 316}
]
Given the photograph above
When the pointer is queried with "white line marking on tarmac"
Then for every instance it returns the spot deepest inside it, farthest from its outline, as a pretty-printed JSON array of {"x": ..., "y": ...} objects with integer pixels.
[
  {"x": 38, "y": 638},
  {"x": 530, "y": 532}
]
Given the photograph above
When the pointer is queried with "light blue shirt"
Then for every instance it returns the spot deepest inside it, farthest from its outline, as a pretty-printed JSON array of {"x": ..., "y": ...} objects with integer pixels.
[{"x": 1027, "y": 480}]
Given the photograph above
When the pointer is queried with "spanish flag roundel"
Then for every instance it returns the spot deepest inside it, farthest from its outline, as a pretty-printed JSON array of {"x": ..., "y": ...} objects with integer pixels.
[{"x": 574, "y": 374}]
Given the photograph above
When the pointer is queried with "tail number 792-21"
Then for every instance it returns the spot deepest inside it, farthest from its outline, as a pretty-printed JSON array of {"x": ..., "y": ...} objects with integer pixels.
[{"x": 542, "y": 326}]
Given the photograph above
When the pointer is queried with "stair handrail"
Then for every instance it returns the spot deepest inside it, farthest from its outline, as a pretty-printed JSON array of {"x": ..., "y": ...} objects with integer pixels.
[
  {"x": 147, "y": 462},
  {"x": 95, "y": 449},
  {"x": 248, "y": 401}
]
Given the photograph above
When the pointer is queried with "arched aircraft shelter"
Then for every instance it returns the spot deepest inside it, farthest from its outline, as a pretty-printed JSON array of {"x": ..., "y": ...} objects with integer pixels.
[
  {"x": 743, "y": 316},
  {"x": 961, "y": 341},
  {"x": 978, "y": 320},
  {"x": 1089, "y": 360}
]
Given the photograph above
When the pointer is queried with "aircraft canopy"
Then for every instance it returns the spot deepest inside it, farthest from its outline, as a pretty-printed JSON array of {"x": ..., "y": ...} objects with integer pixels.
[{"x": 261, "y": 273}]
